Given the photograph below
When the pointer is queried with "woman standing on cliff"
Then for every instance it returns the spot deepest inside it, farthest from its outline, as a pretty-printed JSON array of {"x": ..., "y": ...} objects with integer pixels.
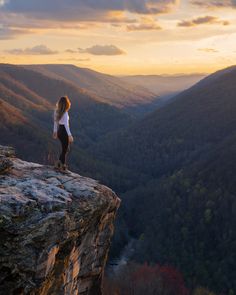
[{"x": 61, "y": 130}]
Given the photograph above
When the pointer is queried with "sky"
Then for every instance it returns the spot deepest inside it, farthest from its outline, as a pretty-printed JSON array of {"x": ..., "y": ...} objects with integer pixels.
[{"x": 121, "y": 37}]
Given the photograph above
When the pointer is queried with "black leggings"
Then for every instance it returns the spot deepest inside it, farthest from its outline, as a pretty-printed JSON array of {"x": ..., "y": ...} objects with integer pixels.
[{"x": 63, "y": 137}]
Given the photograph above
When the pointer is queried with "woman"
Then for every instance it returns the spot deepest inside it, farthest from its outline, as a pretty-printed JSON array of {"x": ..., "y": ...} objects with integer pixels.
[{"x": 61, "y": 129}]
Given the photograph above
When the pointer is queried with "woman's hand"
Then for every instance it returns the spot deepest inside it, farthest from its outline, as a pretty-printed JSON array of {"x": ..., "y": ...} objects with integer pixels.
[
  {"x": 71, "y": 139},
  {"x": 54, "y": 135}
]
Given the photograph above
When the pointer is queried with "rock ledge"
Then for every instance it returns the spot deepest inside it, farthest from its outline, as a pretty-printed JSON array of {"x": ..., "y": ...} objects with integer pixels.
[{"x": 55, "y": 229}]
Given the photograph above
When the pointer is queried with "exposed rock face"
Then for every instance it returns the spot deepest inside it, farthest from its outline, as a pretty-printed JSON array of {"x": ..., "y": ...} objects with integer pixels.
[{"x": 55, "y": 229}]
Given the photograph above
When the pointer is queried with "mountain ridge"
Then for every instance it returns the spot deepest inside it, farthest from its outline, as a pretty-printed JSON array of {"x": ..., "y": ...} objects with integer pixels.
[{"x": 106, "y": 88}]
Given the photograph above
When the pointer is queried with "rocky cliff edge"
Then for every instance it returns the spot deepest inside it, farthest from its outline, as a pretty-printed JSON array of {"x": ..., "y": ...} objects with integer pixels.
[{"x": 55, "y": 229}]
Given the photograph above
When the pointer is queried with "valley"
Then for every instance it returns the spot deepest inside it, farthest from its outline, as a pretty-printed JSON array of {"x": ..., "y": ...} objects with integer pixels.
[{"x": 173, "y": 166}]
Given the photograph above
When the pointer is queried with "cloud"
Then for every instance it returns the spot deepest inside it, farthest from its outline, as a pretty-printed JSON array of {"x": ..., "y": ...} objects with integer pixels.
[
  {"x": 9, "y": 33},
  {"x": 71, "y": 51},
  {"x": 2, "y": 2},
  {"x": 82, "y": 59},
  {"x": 102, "y": 50},
  {"x": 208, "y": 50},
  {"x": 98, "y": 50},
  {"x": 78, "y": 14},
  {"x": 19, "y": 21},
  {"x": 149, "y": 6},
  {"x": 214, "y": 3},
  {"x": 36, "y": 50},
  {"x": 144, "y": 23},
  {"x": 143, "y": 27},
  {"x": 202, "y": 20},
  {"x": 77, "y": 9},
  {"x": 74, "y": 59}
]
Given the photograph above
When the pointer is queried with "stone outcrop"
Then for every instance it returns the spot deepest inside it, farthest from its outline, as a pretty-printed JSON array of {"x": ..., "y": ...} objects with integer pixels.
[{"x": 55, "y": 229}]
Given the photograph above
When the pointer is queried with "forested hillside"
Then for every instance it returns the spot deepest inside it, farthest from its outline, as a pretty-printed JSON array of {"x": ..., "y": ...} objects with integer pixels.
[{"x": 185, "y": 213}]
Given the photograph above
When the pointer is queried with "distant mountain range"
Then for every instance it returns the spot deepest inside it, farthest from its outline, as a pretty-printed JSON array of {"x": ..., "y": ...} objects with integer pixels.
[
  {"x": 104, "y": 88},
  {"x": 137, "y": 95},
  {"x": 164, "y": 85}
]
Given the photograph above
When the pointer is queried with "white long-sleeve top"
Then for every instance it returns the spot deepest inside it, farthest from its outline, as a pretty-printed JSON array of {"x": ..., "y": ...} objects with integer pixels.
[{"x": 63, "y": 121}]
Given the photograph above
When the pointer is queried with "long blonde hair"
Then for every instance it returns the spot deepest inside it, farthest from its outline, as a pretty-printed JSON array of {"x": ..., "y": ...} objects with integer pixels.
[{"x": 62, "y": 106}]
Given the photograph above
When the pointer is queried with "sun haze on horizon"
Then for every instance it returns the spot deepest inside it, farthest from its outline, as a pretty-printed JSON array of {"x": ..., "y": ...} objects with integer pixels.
[{"x": 121, "y": 37}]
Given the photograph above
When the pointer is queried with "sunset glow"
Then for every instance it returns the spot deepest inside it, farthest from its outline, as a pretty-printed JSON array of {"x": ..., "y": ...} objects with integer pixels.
[{"x": 121, "y": 37}]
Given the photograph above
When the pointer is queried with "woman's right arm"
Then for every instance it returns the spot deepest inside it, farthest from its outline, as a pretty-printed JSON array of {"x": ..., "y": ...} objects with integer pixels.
[{"x": 55, "y": 126}]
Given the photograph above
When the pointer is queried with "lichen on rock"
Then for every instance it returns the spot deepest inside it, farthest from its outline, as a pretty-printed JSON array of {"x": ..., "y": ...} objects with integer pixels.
[{"x": 55, "y": 230}]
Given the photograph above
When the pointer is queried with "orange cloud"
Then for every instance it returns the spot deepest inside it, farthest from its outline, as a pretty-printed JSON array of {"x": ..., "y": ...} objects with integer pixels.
[
  {"x": 12, "y": 32},
  {"x": 143, "y": 27},
  {"x": 214, "y": 3},
  {"x": 74, "y": 59},
  {"x": 36, "y": 50},
  {"x": 202, "y": 20},
  {"x": 208, "y": 50},
  {"x": 102, "y": 50}
]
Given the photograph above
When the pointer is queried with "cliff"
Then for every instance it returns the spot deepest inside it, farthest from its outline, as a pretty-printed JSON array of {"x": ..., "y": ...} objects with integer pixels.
[{"x": 55, "y": 229}]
